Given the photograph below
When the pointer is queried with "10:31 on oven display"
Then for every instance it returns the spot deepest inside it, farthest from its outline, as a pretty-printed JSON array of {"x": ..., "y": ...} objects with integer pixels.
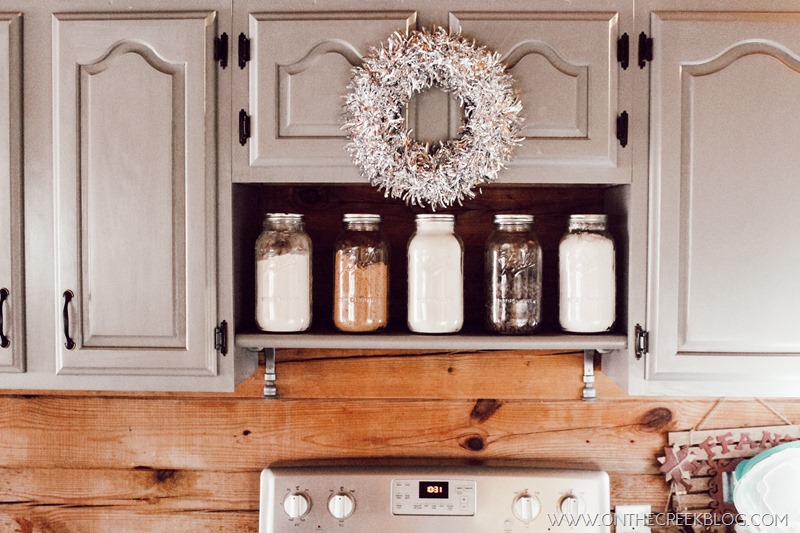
[{"x": 434, "y": 489}]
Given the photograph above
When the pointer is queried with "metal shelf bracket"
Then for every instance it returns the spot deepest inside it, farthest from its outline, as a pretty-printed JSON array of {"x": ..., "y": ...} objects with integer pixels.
[
  {"x": 589, "y": 392},
  {"x": 270, "y": 388}
]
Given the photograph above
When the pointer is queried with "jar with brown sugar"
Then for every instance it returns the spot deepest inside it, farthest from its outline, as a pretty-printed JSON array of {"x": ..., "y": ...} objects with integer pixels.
[{"x": 361, "y": 276}]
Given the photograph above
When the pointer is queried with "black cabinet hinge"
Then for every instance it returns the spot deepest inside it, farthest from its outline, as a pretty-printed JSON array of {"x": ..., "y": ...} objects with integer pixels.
[
  {"x": 244, "y": 50},
  {"x": 645, "y": 49},
  {"x": 221, "y": 338},
  {"x": 622, "y": 129},
  {"x": 642, "y": 341},
  {"x": 244, "y": 127},
  {"x": 221, "y": 50},
  {"x": 624, "y": 51}
]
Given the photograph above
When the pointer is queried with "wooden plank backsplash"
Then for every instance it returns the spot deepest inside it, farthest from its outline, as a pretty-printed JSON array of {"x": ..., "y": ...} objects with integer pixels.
[{"x": 96, "y": 462}]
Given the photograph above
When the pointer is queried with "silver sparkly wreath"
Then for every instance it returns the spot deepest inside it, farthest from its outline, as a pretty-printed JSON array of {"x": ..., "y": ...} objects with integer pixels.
[{"x": 386, "y": 152}]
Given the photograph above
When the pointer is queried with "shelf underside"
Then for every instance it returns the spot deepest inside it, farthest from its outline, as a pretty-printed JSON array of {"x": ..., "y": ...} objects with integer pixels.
[{"x": 406, "y": 341}]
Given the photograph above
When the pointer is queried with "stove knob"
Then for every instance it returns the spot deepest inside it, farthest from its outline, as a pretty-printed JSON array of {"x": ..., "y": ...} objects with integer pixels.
[
  {"x": 526, "y": 507},
  {"x": 571, "y": 505},
  {"x": 297, "y": 504},
  {"x": 341, "y": 505}
]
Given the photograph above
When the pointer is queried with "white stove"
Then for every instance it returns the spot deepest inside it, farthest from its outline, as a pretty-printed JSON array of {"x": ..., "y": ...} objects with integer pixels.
[{"x": 479, "y": 499}]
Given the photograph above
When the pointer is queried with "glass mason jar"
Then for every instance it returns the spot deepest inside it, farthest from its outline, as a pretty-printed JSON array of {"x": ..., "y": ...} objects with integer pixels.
[
  {"x": 435, "y": 276},
  {"x": 513, "y": 276},
  {"x": 361, "y": 275},
  {"x": 587, "y": 281},
  {"x": 283, "y": 274}
]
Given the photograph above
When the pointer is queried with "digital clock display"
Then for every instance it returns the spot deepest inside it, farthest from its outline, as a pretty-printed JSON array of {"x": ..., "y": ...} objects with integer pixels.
[{"x": 434, "y": 489}]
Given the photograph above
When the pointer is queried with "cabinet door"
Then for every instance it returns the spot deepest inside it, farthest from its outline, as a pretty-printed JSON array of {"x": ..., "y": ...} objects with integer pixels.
[
  {"x": 135, "y": 178},
  {"x": 301, "y": 62},
  {"x": 12, "y": 342},
  {"x": 298, "y": 77},
  {"x": 568, "y": 87},
  {"x": 725, "y": 186}
]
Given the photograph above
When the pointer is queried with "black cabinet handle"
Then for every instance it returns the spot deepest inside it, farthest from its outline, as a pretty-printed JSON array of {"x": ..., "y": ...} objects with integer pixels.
[
  {"x": 68, "y": 296},
  {"x": 4, "y": 342}
]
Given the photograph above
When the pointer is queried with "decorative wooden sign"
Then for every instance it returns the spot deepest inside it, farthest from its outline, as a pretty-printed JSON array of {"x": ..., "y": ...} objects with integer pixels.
[{"x": 699, "y": 463}]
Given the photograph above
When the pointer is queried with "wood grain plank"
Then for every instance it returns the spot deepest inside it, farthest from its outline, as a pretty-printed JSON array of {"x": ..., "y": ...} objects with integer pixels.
[
  {"x": 139, "y": 491},
  {"x": 455, "y": 375},
  {"x": 96, "y": 432},
  {"x": 693, "y": 501},
  {"x": 101, "y": 500},
  {"x": 166, "y": 493},
  {"x": 639, "y": 489},
  {"x": 133, "y": 489},
  {"x": 57, "y": 519}
]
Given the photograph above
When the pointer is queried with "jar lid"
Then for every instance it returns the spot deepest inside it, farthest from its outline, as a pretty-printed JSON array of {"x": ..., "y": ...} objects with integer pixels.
[
  {"x": 587, "y": 223},
  {"x": 284, "y": 216},
  {"x": 594, "y": 219},
  {"x": 361, "y": 217},
  {"x": 512, "y": 219},
  {"x": 436, "y": 218}
]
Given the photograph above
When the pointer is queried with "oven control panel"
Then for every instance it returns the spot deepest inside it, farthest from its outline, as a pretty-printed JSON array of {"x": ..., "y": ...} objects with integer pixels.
[
  {"x": 477, "y": 499},
  {"x": 445, "y": 497}
]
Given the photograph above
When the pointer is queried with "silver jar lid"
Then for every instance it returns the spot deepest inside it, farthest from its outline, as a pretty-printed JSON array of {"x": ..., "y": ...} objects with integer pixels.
[
  {"x": 361, "y": 217},
  {"x": 284, "y": 216},
  {"x": 436, "y": 218},
  {"x": 590, "y": 218},
  {"x": 513, "y": 219},
  {"x": 580, "y": 221}
]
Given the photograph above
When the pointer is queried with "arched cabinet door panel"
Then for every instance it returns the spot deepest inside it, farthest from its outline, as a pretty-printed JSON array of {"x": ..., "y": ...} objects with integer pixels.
[
  {"x": 298, "y": 75},
  {"x": 569, "y": 88},
  {"x": 135, "y": 193},
  {"x": 724, "y": 189}
]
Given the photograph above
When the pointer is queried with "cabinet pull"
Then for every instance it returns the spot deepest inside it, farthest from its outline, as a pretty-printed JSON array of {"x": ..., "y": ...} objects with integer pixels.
[
  {"x": 4, "y": 342},
  {"x": 68, "y": 296}
]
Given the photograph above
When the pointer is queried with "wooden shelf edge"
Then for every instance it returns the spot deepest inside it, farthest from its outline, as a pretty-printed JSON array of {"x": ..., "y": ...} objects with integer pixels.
[{"x": 405, "y": 341}]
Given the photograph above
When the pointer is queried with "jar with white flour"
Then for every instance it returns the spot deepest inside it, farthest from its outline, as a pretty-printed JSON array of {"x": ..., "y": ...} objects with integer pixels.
[
  {"x": 435, "y": 276},
  {"x": 283, "y": 274},
  {"x": 587, "y": 280}
]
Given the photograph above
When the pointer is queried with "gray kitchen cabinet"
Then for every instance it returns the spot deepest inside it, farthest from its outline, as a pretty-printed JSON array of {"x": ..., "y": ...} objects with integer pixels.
[
  {"x": 124, "y": 208},
  {"x": 301, "y": 55},
  {"x": 12, "y": 331},
  {"x": 724, "y": 245},
  {"x": 147, "y": 169},
  {"x": 288, "y": 148}
]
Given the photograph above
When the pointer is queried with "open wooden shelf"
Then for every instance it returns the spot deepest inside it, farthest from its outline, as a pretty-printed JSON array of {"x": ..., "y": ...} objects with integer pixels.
[{"x": 414, "y": 341}]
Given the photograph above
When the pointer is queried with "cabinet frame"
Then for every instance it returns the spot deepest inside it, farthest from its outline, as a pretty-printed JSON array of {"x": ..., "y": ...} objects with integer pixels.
[
  {"x": 659, "y": 371},
  {"x": 44, "y": 369},
  {"x": 12, "y": 357},
  {"x": 617, "y": 16}
]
